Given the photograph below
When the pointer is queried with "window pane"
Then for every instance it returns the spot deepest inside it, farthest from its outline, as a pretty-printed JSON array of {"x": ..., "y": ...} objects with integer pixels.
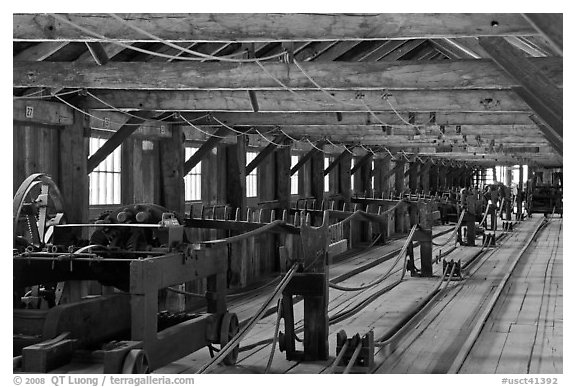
[
  {"x": 327, "y": 177},
  {"x": 105, "y": 179},
  {"x": 252, "y": 178},
  {"x": 193, "y": 180},
  {"x": 294, "y": 177}
]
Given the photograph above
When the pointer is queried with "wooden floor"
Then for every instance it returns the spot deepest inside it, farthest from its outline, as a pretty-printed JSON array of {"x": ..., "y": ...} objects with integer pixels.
[
  {"x": 379, "y": 316},
  {"x": 523, "y": 333}
]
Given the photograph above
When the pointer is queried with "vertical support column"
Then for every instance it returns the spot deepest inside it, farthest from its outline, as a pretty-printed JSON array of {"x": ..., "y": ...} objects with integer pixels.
[
  {"x": 381, "y": 167},
  {"x": 132, "y": 190},
  {"x": 235, "y": 172},
  {"x": 317, "y": 175},
  {"x": 172, "y": 170},
  {"x": 399, "y": 187},
  {"x": 73, "y": 173},
  {"x": 150, "y": 170},
  {"x": 345, "y": 179},
  {"x": 264, "y": 245},
  {"x": 413, "y": 176},
  {"x": 442, "y": 181},
  {"x": 425, "y": 178},
  {"x": 283, "y": 161},
  {"x": 235, "y": 188},
  {"x": 382, "y": 186}
]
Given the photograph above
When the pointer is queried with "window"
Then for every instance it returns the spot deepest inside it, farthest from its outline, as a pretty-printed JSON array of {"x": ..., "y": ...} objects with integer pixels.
[
  {"x": 105, "y": 179},
  {"x": 294, "y": 177},
  {"x": 326, "y": 177},
  {"x": 193, "y": 180},
  {"x": 252, "y": 178},
  {"x": 489, "y": 176}
]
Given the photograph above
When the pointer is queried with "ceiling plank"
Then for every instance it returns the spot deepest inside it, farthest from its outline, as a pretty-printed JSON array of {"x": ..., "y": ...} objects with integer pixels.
[
  {"x": 311, "y": 101},
  {"x": 381, "y": 51},
  {"x": 453, "y": 50},
  {"x": 403, "y": 50},
  {"x": 336, "y": 50},
  {"x": 551, "y": 26},
  {"x": 39, "y": 51},
  {"x": 525, "y": 46},
  {"x": 234, "y": 27}
]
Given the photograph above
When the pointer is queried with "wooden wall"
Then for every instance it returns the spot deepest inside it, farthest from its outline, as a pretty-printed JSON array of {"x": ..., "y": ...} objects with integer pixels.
[{"x": 35, "y": 149}]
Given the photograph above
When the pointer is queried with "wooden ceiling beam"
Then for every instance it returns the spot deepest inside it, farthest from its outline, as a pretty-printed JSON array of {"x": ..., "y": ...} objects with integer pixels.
[
  {"x": 549, "y": 133},
  {"x": 537, "y": 90},
  {"x": 311, "y": 101},
  {"x": 456, "y": 74},
  {"x": 542, "y": 109},
  {"x": 550, "y": 26},
  {"x": 448, "y": 119},
  {"x": 239, "y": 27}
]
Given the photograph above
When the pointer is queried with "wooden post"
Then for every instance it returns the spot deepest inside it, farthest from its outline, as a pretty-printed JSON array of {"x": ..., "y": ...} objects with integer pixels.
[
  {"x": 74, "y": 185},
  {"x": 399, "y": 186},
  {"x": 172, "y": 170},
  {"x": 425, "y": 177},
  {"x": 317, "y": 175},
  {"x": 235, "y": 181},
  {"x": 282, "y": 194},
  {"x": 344, "y": 179}
]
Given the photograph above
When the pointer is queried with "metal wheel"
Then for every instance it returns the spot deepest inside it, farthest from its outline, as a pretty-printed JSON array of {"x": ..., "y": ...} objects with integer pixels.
[
  {"x": 228, "y": 329},
  {"x": 37, "y": 205},
  {"x": 136, "y": 362}
]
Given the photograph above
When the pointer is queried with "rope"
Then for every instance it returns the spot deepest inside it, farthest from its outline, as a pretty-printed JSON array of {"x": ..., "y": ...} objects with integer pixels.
[
  {"x": 360, "y": 213},
  {"x": 34, "y": 96},
  {"x": 453, "y": 233},
  {"x": 353, "y": 358},
  {"x": 202, "y": 57},
  {"x": 378, "y": 280},
  {"x": 338, "y": 358},
  {"x": 236, "y": 339},
  {"x": 276, "y": 330}
]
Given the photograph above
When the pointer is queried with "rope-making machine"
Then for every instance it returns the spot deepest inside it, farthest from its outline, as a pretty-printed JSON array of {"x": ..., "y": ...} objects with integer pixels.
[{"x": 134, "y": 252}]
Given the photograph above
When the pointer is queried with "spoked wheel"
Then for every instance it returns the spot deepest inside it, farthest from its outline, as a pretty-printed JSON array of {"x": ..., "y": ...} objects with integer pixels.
[
  {"x": 136, "y": 362},
  {"x": 37, "y": 206},
  {"x": 228, "y": 329}
]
